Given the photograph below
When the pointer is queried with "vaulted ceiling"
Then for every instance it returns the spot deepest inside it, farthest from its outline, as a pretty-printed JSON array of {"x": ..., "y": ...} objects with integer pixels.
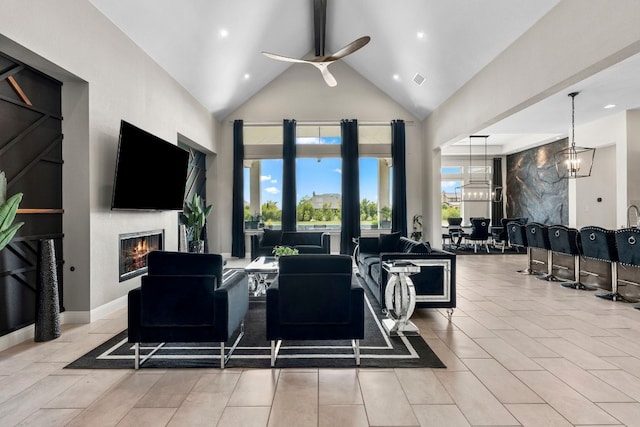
[{"x": 213, "y": 48}]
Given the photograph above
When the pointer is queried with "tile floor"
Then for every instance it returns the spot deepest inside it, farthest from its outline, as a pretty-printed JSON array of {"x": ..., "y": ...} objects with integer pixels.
[{"x": 519, "y": 351}]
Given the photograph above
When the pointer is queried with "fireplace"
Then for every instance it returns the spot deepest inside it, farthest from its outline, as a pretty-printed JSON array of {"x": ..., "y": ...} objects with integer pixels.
[{"x": 134, "y": 248}]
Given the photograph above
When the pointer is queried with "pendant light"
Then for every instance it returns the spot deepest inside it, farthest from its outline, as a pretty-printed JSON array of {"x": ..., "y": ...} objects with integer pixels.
[
  {"x": 573, "y": 161},
  {"x": 478, "y": 190}
]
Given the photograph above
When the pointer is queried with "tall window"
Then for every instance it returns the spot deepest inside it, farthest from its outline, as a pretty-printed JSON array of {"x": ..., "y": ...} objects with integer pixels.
[
  {"x": 452, "y": 179},
  {"x": 318, "y": 176}
]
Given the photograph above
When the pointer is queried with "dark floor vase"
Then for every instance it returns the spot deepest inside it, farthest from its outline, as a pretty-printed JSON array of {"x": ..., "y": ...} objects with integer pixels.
[{"x": 47, "y": 325}]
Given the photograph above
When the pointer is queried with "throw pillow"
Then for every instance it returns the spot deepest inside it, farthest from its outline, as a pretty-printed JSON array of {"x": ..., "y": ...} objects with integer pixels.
[
  {"x": 389, "y": 242},
  {"x": 271, "y": 237},
  {"x": 421, "y": 248}
]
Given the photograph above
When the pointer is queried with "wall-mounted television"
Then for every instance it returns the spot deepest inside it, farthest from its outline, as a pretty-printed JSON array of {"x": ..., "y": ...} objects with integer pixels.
[{"x": 151, "y": 173}]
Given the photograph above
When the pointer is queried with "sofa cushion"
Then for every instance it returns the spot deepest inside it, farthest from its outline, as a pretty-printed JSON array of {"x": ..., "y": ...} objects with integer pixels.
[
  {"x": 296, "y": 238},
  {"x": 389, "y": 242},
  {"x": 309, "y": 249},
  {"x": 271, "y": 237}
]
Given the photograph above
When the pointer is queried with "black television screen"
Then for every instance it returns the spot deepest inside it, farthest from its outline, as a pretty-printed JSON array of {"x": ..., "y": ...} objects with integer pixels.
[{"x": 151, "y": 173}]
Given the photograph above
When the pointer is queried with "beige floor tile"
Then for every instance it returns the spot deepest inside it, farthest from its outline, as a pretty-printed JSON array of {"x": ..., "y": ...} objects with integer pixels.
[
  {"x": 589, "y": 343},
  {"x": 440, "y": 415},
  {"x": 462, "y": 345},
  {"x": 342, "y": 415},
  {"x": 471, "y": 327},
  {"x": 507, "y": 355},
  {"x": 19, "y": 407},
  {"x": 569, "y": 403},
  {"x": 628, "y": 384},
  {"x": 626, "y": 413},
  {"x": 490, "y": 321},
  {"x": 628, "y": 364},
  {"x": 200, "y": 408},
  {"x": 537, "y": 415},
  {"x": 385, "y": 400},
  {"x": 630, "y": 346},
  {"x": 12, "y": 385},
  {"x": 526, "y": 327},
  {"x": 501, "y": 382},
  {"x": 422, "y": 387},
  {"x": 113, "y": 405},
  {"x": 255, "y": 387},
  {"x": 87, "y": 389},
  {"x": 474, "y": 400},
  {"x": 245, "y": 416},
  {"x": 339, "y": 387},
  {"x": 587, "y": 384},
  {"x": 296, "y": 400},
  {"x": 577, "y": 355},
  {"x": 147, "y": 417},
  {"x": 50, "y": 418},
  {"x": 170, "y": 390},
  {"x": 444, "y": 353},
  {"x": 493, "y": 308},
  {"x": 526, "y": 345}
]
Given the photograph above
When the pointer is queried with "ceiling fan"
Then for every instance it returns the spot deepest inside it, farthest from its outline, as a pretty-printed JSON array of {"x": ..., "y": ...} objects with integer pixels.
[{"x": 322, "y": 62}]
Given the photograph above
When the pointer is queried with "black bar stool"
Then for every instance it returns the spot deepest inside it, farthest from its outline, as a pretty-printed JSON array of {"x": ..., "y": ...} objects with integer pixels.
[
  {"x": 628, "y": 247},
  {"x": 538, "y": 237},
  {"x": 517, "y": 235},
  {"x": 600, "y": 244},
  {"x": 566, "y": 241}
]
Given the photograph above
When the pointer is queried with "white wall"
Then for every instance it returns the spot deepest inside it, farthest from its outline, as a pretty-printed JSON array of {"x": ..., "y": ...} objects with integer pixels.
[
  {"x": 106, "y": 78},
  {"x": 301, "y": 94}
]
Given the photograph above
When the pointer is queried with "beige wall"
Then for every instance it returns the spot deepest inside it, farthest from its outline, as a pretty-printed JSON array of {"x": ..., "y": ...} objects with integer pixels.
[
  {"x": 106, "y": 78},
  {"x": 301, "y": 94}
]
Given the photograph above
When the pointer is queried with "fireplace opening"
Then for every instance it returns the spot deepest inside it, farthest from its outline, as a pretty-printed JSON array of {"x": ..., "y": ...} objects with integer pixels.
[{"x": 134, "y": 248}]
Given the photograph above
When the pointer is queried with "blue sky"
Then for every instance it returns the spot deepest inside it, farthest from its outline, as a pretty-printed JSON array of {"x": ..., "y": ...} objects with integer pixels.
[{"x": 321, "y": 177}]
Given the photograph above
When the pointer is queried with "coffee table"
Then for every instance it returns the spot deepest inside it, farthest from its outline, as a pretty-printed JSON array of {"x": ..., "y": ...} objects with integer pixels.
[{"x": 259, "y": 270}]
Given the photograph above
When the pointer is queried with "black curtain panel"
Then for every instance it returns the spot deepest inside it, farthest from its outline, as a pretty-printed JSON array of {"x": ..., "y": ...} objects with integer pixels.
[
  {"x": 399, "y": 189},
  {"x": 497, "y": 207},
  {"x": 237, "y": 220},
  {"x": 350, "y": 186},
  {"x": 289, "y": 175}
]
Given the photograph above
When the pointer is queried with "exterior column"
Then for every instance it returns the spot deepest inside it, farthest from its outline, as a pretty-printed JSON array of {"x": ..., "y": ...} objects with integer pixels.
[{"x": 254, "y": 178}]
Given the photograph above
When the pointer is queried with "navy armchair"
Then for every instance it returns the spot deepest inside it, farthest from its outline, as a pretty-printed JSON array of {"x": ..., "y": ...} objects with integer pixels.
[
  {"x": 315, "y": 297},
  {"x": 184, "y": 299}
]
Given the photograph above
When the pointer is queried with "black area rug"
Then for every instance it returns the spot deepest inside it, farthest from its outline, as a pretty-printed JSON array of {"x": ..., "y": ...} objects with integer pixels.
[{"x": 377, "y": 350}]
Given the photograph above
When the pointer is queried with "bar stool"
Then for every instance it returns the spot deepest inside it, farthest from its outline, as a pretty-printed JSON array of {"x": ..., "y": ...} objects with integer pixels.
[
  {"x": 600, "y": 244},
  {"x": 566, "y": 241},
  {"x": 517, "y": 235},
  {"x": 538, "y": 237},
  {"x": 628, "y": 247}
]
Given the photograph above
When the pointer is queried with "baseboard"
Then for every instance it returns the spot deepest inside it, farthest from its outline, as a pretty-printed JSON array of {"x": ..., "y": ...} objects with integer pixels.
[
  {"x": 17, "y": 337},
  {"x": 68, "y": 317}
]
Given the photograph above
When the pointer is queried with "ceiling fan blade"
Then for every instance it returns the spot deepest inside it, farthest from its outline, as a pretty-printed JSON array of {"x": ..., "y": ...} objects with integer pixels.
[
  {"x": 350, "y": 48},
  {"x": 326, "y": 74},
  {"x": 285, "y": 58}
]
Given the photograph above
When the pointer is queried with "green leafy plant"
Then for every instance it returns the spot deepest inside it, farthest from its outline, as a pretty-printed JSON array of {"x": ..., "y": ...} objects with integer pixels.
[
  {"x": 194, "y": 217},
  {"x": 284, "y": 250},
  {"x": 8, "y": 209}
]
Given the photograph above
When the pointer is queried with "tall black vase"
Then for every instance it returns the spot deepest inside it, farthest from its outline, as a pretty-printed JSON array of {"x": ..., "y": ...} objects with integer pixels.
[{"x": 47, "y": 325}]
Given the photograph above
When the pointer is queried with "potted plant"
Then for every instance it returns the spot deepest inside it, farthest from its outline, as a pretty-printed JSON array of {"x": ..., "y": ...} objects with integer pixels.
[
  {"x": 279, "y": 251},
  {"x": 254, "y": 221},
  {"x": 194, "y": 218},
  {"x": 385, "y": 215},
  {"x": 8, "y": 209}
]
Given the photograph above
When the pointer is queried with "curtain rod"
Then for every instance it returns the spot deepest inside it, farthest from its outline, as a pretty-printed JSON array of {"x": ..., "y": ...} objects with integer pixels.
[{"x": 320, "y": 123}]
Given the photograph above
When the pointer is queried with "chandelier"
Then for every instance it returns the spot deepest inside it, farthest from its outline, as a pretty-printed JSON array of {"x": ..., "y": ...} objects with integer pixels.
[
  {"x": 478, "y": 190},
  {"x": 573, "y": 161}
]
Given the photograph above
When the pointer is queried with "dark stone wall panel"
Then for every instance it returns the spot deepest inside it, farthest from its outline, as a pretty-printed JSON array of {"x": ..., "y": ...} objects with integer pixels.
[{"x": 533, "y": 187}]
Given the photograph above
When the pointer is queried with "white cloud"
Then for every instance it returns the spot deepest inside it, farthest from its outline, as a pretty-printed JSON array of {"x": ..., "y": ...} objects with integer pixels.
[
  {"x": 338, "y": 170},
  {"x": 271, "y": 190},
  {"x": 273, "y": 181},
  {"x": 265, "y": 177}
]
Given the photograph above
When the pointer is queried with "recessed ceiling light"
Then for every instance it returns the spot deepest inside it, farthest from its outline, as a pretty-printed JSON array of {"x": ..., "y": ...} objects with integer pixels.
[
  {"x": 247, "y": 76},
  {"x": 224, "y": 33},
  {"x": 610, "y": 106},
  {"x": 420, "y": 35},
  {"x": 396, "y": 77}
]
